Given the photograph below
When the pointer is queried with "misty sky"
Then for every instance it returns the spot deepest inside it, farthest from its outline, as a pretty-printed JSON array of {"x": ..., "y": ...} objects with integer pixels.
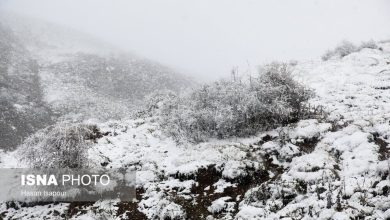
[{"x": 206, "y": 38}]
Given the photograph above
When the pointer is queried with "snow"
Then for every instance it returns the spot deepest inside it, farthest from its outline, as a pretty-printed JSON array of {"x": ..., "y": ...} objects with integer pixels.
[
  {"x": 234, "y": 169},
  {"x": 221, "y": 204},
  {"x": 156, "y": 206},
  {"x": 250, "y": 212},
  {"x": 9, "y": 160},
  {"x": 310, "y": 167},
  {"x": 221, "y": 185},
  {"x": 36, "y": 212},
  {"x": 309, "y": 129},
  {"x": 341, "y": 162}
]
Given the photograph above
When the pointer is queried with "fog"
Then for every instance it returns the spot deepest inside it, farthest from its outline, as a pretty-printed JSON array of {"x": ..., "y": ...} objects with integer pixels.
[{"x": 205, "y": 38}]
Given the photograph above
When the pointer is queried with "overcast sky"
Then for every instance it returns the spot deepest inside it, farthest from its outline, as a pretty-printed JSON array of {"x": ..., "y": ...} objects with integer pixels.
[{"x": 206, "y": 38}]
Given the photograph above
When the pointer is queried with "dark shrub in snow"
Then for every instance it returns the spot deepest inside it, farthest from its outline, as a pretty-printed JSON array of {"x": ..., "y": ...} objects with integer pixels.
[
  {"x": 60, "y": 146},
  {"x": 232, "y": 108}
]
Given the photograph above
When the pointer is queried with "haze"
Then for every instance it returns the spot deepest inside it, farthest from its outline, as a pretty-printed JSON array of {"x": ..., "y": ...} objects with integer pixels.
[{"x": 205, "y": 39}]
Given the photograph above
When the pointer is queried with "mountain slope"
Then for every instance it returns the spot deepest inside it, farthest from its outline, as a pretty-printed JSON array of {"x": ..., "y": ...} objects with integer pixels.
[
  {"x": 50, "y": 73},
  {"x": 85, "y": 78},
  {"x": 333, "y": 168},
  {"x": 22, "y": 108},
  {"x": 337, "y": 168}
]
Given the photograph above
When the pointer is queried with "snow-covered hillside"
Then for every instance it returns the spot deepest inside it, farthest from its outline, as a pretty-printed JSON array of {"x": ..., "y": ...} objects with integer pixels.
[
  {"x": 333, "y": 168},
  {"x": 23, "y": 110},
  {"x": 76, "y": 68},
  {"x": 49, "y": 72}
]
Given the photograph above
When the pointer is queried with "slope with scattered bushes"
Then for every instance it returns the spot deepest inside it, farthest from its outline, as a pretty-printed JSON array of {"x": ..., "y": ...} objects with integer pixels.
[
  {"x": 82, "y": 77},
  {"x": 287, "y": 163},
  {"x": 318, "y": 168}
]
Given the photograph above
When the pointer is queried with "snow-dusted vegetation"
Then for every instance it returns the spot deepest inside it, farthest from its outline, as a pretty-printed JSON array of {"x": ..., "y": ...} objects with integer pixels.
[
  {"x": 345, "y": 48},
  {"x": 60, "y": 146},
  {"x": 302, "y": 141},
  {"x": 233, "y": 108}
]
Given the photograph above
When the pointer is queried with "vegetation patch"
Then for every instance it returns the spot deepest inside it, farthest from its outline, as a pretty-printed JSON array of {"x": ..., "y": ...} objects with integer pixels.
[
  {"x": 59, "y": 146},
  {"x": 232, "y": 108},
  {"x": 345, "y": 48}
]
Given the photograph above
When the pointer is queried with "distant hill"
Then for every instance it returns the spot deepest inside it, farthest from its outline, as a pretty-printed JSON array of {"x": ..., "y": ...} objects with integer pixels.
[
  {"x": 22, "y": 108},
  {"x": 60, "y": 72}
]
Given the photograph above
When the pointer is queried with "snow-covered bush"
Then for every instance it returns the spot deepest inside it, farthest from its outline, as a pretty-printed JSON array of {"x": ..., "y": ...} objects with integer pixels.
[
  {"x": 157, "y": 101},
  {"x": 343, "y": 49},
  {"x": 59, "y": 146},
  {"x": 368, "y": 44},
  {"x": 233, "y": 108}
]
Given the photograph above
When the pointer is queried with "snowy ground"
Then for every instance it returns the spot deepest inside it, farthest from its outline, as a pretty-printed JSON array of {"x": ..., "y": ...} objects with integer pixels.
[{"x": 334, "y": 168}]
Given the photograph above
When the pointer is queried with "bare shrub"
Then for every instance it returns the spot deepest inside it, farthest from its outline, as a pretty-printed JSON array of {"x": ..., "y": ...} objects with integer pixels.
[
  {"x": 233, "y": 108},
  {"x": 59, "y": 146}
]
